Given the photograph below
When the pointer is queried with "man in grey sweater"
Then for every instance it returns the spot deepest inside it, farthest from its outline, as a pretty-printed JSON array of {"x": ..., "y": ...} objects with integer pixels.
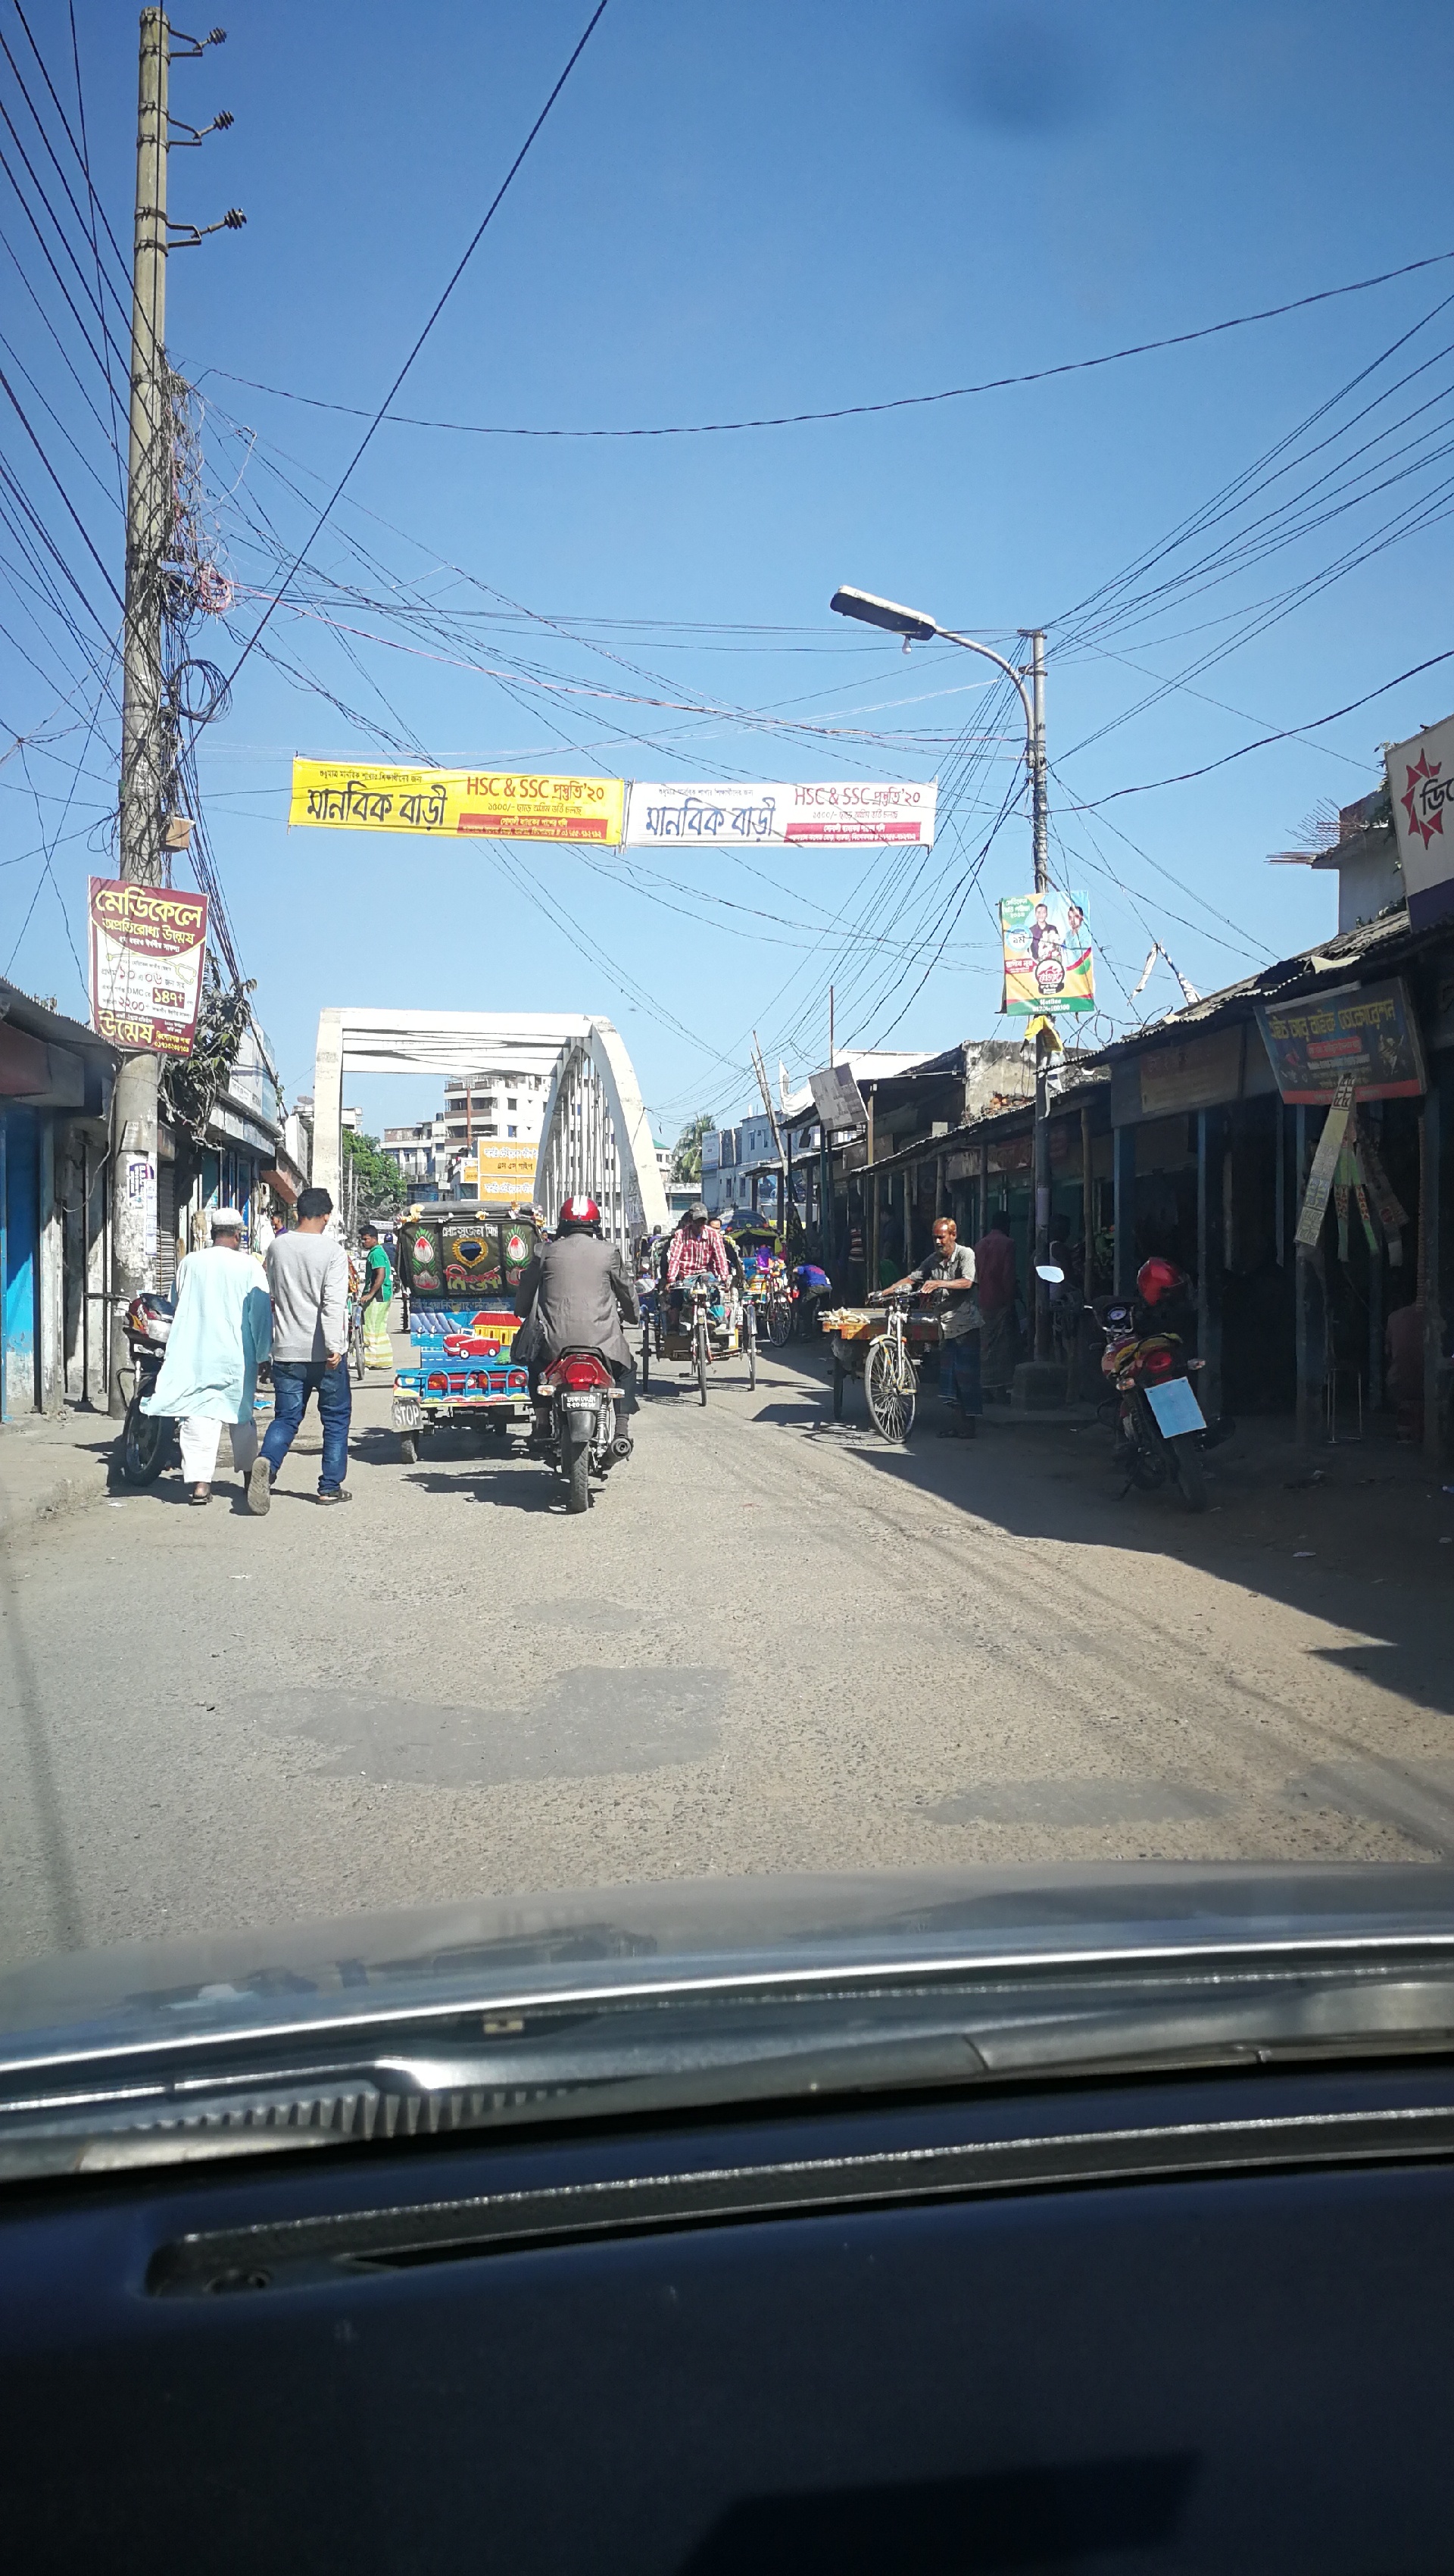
[{"x": 308, "y": 1277}]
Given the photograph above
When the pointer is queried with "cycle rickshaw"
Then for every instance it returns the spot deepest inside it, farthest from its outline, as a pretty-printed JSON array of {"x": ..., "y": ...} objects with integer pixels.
[{"x": 713, "y": 1322}]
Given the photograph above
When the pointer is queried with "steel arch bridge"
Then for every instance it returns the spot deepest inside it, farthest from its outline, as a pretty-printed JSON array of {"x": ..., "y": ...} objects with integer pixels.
[{"x": 596, "y": 1134}]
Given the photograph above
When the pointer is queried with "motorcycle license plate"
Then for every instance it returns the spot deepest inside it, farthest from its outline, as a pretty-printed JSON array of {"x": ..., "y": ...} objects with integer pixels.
[
  {"x": 580, "y": 1403},
  {"x": 1176, "y": 1408}
]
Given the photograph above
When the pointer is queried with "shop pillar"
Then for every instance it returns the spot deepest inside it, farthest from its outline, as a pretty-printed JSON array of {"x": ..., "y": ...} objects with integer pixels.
[
  {"x": 1211, "y": 1254},
  {"x": 1123, "y": 1209},
  {"x": 1308, "y": 1325},
  {"x": 1434, "y": 1222}
]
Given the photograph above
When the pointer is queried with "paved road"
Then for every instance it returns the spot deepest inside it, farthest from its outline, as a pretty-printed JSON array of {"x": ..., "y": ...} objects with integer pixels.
[{"x": 772, "y": 1645}]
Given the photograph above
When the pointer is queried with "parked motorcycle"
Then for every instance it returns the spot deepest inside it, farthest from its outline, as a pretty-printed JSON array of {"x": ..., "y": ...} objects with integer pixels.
[
  {"x": 583, "y": 1440},
  {"x": 146, "y": 1438},
  {"x": 1161, "y": 1432}
]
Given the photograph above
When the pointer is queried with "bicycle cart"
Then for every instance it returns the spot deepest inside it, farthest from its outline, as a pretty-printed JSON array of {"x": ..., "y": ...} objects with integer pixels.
[
  {"x": 713, "y": 1322},
  {"x": 884, "y": 1345}
]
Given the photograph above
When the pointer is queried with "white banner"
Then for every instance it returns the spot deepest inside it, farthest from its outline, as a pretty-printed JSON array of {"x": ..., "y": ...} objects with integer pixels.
[
  {"x": 1421, "y": 789},
  {"x": 844, "y": 813}
]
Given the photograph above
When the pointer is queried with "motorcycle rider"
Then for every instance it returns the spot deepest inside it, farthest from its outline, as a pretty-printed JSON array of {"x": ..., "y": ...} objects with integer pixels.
[{"x": 575, "y": 1296}]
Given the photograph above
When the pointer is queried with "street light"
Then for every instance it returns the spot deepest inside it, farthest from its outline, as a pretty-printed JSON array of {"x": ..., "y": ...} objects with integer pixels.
[{"x": 917, "y": 628}]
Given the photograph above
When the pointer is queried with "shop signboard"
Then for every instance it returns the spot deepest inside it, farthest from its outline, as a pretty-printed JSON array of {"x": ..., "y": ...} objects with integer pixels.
[
  {"x": 498, "y": 805},
  {"x": 838, "y": 1100},
  {"x": 1048, "y": 964},
  {"x": 147, "y": 947},
  {"x": 849, "y": 813},
  {"x": 1368, "y": 1031},
  {"x": 1420, "y": 785}
]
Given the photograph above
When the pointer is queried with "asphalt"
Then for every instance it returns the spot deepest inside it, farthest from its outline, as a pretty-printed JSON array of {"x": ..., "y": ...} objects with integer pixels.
[{"x": 773, "y": 1644}]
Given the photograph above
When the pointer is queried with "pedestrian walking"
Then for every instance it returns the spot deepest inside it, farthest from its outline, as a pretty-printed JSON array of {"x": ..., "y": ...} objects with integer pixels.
[
  {"x": 378, "y": 1297},
  {"x": 219, "y": 1338},
  {"x": 308, "y": 1276}
]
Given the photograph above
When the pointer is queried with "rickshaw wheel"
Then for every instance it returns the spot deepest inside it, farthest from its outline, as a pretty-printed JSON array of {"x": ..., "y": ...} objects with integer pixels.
[
  {"x": 839, "y": 1375},
  {"x": 408, "y": 1449}
]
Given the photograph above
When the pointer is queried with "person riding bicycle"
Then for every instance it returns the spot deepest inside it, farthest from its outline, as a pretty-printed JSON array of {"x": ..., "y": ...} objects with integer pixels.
[
  {"x": 575, "y": 1296},
  {"x": 698, "y": 1245}
]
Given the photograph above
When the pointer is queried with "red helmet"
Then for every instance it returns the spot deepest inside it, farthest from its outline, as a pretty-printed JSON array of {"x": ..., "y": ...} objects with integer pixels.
[
  {"x": 1156, "y": 1279},
  {"x": 580, "y": 1212}
]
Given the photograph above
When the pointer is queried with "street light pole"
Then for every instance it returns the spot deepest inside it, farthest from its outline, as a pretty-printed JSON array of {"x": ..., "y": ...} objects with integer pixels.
[
  {"x": 917, "y": 628},
  {"x": 1043, "y": 1046}
]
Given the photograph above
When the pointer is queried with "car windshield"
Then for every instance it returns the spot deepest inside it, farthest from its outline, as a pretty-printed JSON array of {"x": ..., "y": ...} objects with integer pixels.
[{"x": 726, "y": 1042}]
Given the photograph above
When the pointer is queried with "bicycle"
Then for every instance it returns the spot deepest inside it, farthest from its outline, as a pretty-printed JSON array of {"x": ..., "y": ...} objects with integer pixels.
[{"x": 890, "y": 1381}]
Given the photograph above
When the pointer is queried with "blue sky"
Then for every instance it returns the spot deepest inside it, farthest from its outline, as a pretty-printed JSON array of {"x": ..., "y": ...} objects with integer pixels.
[{"x": 756, "y": 208}]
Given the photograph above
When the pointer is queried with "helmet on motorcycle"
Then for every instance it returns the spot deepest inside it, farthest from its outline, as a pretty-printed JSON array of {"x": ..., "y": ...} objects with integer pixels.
[
  {"x": 1157, "y": 1278},
  {"x": 581, "y": 1213}
]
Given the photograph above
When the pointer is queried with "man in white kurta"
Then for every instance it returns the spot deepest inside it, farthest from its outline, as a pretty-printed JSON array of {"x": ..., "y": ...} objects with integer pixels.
[{"x": 221, "y": 1333}]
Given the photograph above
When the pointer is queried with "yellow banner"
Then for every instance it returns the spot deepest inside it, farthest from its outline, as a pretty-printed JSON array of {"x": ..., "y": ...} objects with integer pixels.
[
  {"x": 500, "y": 805},
  {"x": 501, "y": 1170}
]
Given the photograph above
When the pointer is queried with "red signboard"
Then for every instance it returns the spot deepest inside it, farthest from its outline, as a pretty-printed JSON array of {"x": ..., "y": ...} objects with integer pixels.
[{"x": 147, "y": 947}]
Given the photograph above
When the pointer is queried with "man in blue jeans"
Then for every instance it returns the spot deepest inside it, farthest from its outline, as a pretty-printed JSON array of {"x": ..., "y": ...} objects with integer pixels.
[{"x": 308, "y": 1277}]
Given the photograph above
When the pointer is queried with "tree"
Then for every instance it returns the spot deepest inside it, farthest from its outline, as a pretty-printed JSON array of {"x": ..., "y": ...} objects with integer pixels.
[
  {"x": 379, "y": 1186},
  {"x": 686, "y": 1163}
]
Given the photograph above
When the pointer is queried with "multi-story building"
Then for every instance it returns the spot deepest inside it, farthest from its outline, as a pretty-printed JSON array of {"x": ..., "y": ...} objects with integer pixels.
[{"x": 496, "y": 1107}]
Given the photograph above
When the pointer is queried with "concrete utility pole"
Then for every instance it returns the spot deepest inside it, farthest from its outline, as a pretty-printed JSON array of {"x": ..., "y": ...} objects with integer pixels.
[
  {"x": 144, "y": 746},
  {"x": 1043, "y": 1045}
]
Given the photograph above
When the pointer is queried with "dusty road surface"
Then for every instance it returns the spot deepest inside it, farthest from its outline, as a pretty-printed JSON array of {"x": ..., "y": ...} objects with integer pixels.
[{"x": 773, "y": 1644}]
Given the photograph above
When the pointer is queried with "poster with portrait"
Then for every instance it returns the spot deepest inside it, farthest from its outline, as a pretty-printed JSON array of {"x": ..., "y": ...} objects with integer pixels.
[{"x": 1047, "y": 954}]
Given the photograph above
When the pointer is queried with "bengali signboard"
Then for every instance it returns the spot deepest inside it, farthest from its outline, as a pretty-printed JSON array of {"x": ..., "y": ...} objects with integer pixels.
[
  {"x": 1047, "y": 954},
  {"x": 147, "y": 947},
  {"x": 1420, "y": 785},
  {"x": 849, "y": 813},
  {"x": 1367, "y": 1031},
  {"x": 497, "y": 804},
  {"x": 501, "y": 1170}
]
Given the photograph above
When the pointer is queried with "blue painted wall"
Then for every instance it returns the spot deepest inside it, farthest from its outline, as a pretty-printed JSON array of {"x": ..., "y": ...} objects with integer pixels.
[{"x": 19, "y": 1258}]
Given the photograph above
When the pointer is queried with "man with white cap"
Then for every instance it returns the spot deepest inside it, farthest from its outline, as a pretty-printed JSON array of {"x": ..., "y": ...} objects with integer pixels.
[{"x": 221, "y": 1333}]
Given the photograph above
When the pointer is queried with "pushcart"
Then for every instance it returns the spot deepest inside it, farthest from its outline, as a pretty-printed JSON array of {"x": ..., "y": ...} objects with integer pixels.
[{"x": 885, "y": 1346}]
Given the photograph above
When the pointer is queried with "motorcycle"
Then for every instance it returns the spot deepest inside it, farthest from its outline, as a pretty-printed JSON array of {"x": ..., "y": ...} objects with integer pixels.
[
  {"x": 146, "y": 1438},
  {"x": 583, "y": 1439},
  {"x": 1161, "y": 1432}
]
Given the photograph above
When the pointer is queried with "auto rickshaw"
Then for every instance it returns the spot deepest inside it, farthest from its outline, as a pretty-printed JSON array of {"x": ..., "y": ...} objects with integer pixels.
[{"x": 461, "y": 1263}]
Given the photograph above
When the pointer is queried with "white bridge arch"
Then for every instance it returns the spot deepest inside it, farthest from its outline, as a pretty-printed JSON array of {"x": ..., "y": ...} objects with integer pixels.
[{"x": 596, "y": 1134}]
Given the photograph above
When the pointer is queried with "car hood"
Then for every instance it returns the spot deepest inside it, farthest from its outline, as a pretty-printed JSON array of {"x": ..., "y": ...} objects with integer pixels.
[{"x": 706, "y": 1936}]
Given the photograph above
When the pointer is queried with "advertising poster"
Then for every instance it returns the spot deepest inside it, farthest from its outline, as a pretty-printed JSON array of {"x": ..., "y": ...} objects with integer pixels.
[
  {"x": 499, "y": 805},
  {"x": 1047, "y": 954},
  {"x": 849, "y": 814},
  {"x": 147, "y": 947},
  {"x": 1367, "y": 1031},
  {"x": 1420, "y": 784}
]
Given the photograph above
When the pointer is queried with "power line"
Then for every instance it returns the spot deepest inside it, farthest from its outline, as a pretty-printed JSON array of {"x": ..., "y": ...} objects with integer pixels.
[
  {"x": 1285, "y": 733},
  {"x": 336, "y": 494},
  {"x": 863, "y": 410}
]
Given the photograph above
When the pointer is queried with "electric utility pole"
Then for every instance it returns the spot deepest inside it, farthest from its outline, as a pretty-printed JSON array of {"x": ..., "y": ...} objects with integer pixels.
[
  {"x": 147, "y": 721},
  {"x": 1044, "y": 1045}
]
